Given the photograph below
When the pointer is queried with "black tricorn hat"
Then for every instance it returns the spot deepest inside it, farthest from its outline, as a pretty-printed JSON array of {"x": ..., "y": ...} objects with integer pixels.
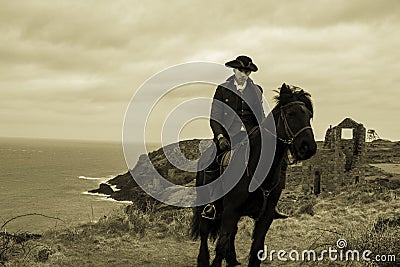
[{"x": 242, "y": 62}]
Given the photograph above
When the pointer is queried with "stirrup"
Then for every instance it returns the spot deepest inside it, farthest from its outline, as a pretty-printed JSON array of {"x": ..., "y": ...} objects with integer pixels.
[{"x": 209, "y": 212}]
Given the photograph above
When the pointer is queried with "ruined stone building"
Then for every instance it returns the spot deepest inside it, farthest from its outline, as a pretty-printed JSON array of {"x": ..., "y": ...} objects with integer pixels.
[{"x": 338, "y": 161}]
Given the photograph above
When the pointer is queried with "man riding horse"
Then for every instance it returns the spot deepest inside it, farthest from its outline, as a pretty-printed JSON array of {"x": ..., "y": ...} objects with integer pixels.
[{"x": 232, "y": 118}]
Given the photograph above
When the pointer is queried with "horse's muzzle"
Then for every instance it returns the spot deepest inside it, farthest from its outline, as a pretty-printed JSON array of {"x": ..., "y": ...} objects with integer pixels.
[{"x": 306, "y": 150}]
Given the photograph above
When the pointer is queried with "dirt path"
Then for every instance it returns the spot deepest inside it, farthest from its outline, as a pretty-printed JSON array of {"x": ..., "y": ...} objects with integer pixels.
[{"x": 393, "y": 168}]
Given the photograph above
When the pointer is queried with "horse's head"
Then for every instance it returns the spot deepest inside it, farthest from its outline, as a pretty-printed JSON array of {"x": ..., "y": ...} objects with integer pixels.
[{"x": 292, "y": 115}]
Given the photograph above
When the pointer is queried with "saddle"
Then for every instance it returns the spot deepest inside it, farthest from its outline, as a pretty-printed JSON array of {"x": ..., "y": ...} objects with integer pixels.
[
  {"x": 224, "y": 159},
  {"x": 216, "y": 169}
]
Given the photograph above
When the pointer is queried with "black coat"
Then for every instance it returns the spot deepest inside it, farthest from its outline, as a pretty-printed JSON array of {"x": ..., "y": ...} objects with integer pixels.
[{"x": 230, "y": 101}]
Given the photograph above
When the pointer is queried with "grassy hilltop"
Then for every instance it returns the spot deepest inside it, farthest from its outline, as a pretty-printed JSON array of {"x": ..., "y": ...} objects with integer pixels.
[{"x": 147, "y": 233}]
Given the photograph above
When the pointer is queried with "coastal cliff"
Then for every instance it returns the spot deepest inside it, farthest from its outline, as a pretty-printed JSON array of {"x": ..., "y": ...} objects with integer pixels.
[{"x": 128, "y": 190}]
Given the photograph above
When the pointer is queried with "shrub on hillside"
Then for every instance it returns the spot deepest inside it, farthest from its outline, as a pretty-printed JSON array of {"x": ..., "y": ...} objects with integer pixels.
[
  {"x": 381, "y": 238},
  {"x": 306, "y": 208}
]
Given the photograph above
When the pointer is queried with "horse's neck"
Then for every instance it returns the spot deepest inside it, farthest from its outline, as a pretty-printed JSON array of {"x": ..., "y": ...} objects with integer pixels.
[
  {"x": 281, "y": 148},
  {"x": 281, "y": 151},
  {"x": 256, "y": 157}
]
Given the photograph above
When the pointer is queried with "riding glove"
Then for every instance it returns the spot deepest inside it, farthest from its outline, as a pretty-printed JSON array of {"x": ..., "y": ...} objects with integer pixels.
[{"x": 223, "y": 144}]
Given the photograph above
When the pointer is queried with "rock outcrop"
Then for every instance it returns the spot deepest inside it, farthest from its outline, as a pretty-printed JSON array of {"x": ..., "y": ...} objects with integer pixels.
[
  {"x": 104, "y": 189},
  {"x": 128, "y": 189}
]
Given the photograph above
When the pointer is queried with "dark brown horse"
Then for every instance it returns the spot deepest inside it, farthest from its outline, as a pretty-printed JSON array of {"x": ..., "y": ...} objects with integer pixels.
[{"x": 292, "y": 116}]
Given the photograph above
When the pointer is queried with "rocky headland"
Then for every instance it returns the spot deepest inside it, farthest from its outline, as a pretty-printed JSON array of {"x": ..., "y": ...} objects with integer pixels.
[
  {"x": 377, "y": 152},
  {"x": 128, "y": 190}
]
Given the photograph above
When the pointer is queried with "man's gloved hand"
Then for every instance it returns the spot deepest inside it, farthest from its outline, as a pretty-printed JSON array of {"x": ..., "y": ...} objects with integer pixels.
[{"x": 223, "y": 144}]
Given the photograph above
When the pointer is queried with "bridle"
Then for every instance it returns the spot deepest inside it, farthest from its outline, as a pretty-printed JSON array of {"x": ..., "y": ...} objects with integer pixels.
[{"x": 288, "y": 131}]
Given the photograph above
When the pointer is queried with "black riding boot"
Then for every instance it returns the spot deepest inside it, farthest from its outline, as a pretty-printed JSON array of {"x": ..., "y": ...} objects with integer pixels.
[{"x": 210, "y": 210}]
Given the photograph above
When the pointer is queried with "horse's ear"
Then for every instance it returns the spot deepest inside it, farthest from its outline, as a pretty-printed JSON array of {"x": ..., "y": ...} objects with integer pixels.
[{"x": 285, "y": 90}]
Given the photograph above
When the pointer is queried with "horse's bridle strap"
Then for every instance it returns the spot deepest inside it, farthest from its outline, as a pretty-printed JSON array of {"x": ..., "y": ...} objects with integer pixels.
[{"x": 292, "y": 136}]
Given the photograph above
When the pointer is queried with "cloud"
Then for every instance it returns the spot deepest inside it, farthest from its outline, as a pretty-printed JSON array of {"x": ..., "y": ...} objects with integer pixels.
[{"x": 74, "y": 59}]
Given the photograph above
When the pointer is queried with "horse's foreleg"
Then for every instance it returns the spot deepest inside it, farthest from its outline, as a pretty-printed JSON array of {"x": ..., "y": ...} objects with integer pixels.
[
  {"x": 220, "y": 250},
  {"x": 203, "y": 259},
  {"x": 224, "y": 248},
  {"x": 231, "y": 257},
  {"x": 260, "y": 230}
]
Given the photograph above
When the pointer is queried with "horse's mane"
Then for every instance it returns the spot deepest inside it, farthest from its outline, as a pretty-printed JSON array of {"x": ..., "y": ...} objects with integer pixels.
[{"x": 298, "y": 94}]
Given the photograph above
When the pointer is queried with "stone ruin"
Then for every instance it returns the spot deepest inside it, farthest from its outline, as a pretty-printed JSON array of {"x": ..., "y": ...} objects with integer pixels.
[{"x": 338, "y": 161}]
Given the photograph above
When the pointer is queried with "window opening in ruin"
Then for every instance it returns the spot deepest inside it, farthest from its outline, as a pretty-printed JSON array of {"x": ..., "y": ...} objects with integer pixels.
[{"x": 347, "y": 133}]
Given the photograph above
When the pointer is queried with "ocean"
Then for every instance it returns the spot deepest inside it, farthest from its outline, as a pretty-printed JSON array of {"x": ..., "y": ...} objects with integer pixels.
[{"x": 51, "y": 177}]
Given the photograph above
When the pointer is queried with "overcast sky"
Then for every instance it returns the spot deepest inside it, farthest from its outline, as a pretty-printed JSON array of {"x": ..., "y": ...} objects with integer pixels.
[{"x": 68, "y": 69}]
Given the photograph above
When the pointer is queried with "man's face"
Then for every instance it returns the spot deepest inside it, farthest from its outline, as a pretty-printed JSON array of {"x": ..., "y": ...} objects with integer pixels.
[{"x": 241, "y": 75}]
